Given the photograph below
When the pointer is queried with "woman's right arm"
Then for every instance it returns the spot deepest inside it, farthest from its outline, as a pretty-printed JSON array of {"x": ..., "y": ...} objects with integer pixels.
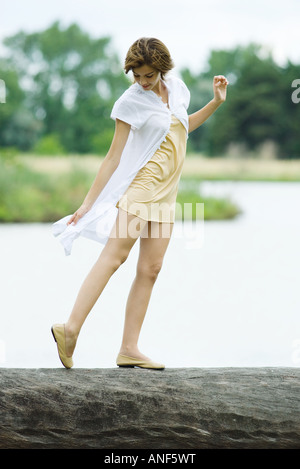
[{"x": 107, "y": 168}]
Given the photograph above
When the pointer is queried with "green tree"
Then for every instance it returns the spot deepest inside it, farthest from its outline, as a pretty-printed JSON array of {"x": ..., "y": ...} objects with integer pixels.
[
  {"x": 290, "y": 112},
  {"x": 259, "y": 106},
  {"x": 70, "y": 80},
  {"x": 251, "y": 114},
  {"x": 18, "y": 127}
]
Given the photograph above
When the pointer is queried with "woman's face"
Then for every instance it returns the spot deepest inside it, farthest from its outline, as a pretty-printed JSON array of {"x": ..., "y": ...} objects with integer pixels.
[{"x": 147, "y": 77}]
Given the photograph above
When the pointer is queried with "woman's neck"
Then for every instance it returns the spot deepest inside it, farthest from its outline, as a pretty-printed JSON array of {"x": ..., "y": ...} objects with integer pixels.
[{"x": 160, "y": 88}]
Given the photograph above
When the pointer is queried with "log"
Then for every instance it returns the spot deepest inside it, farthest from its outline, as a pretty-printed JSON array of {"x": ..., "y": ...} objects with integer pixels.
[{"x": 177, "y": 408}]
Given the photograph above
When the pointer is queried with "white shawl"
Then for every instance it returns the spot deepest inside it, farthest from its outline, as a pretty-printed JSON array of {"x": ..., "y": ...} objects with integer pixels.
[{"x": 150, "y": 121}]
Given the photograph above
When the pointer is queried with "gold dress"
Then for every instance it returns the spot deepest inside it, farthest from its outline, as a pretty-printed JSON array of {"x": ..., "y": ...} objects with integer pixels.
[{"x": 152, "y": 194}]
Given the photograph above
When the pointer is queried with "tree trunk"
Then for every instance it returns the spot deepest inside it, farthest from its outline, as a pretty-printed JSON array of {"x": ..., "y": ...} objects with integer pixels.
[{"x": 131, "y": 408}]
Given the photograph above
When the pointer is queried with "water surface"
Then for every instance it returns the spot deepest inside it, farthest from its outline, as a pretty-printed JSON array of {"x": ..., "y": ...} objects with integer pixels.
[{"x": 231, "y": 300}]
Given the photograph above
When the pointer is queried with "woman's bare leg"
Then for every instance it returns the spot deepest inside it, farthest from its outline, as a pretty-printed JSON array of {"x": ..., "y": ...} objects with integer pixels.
[
  {"x": 124, "y": 234},
  {"x": 152, "y": 251}
]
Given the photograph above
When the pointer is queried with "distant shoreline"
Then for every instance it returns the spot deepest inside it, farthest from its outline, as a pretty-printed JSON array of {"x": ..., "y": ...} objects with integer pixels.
[
  {"x": 46, "y": 188},
  {"x": 195, "y": 166}
]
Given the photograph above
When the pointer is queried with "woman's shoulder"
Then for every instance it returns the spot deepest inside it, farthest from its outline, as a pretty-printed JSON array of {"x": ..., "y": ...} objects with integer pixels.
[
  {"x": 131, "y": 93},
  {"x": 132, "y": 106},
  {"x": 179, "y": 89},
  {"x": 174, "y": 81}
]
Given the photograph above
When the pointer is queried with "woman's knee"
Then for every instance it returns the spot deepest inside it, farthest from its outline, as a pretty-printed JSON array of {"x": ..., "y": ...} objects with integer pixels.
[
  {"x": 115, "y": 258},
  {"x": 149, "y": 270}
]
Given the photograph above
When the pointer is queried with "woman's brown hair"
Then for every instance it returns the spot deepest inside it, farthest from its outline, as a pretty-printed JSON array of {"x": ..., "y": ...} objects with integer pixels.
[{"x": 149, "y": 51}]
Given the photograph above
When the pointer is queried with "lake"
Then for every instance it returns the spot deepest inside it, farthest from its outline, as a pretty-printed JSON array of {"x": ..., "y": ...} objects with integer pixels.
[{"x": 230, "y": 300}]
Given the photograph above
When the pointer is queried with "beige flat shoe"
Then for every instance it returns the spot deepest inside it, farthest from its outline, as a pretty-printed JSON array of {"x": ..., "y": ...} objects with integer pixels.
[
  {"x": 58, "y": 332},
  {"x": 130, "y": 362}
]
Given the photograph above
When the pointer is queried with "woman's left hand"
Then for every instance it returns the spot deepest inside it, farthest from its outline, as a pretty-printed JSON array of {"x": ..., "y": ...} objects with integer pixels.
[{"x": 220, "y": 87}]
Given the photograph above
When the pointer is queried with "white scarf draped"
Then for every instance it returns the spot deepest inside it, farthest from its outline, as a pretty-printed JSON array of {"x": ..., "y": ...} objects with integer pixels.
[{"x": 150, "y": 121}]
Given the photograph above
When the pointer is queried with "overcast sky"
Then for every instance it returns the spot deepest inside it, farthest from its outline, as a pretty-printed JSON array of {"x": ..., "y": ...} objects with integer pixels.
[{"x": 189, "y": 28}]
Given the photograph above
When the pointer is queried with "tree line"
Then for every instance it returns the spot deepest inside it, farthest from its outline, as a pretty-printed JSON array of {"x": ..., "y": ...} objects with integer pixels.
[{"x": 61, "y": 84}]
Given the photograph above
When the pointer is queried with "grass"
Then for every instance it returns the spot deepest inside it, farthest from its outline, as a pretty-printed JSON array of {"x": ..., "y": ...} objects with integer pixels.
[
  {"x": 195, "y": 167},
  {"x": 214, "y": 208},
  {"x": 44, "y": 189},
  {"x": 30, "y": 196},
  {"x": 241, "y": 169}
]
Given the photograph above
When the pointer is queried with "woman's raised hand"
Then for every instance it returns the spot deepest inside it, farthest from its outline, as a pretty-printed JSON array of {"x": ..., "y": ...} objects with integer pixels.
[
  {"x": 83, "y": 209},
  {"x": 220, "y": 86}
]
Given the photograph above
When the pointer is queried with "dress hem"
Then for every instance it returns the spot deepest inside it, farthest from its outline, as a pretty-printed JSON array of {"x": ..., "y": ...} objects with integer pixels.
[{"x": 142, "y": 218}]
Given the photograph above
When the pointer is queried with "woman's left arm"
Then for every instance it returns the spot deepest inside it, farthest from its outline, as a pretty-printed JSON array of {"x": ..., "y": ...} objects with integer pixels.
[{"x": 197, "y": 118}]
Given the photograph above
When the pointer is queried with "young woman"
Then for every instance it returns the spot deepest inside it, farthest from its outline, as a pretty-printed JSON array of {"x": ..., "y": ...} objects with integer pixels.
[{"x": 133, "y": 195}]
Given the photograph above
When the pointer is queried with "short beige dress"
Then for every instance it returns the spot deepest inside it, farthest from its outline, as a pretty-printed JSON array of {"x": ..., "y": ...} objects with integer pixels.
[{"x": 152, "y": 194}]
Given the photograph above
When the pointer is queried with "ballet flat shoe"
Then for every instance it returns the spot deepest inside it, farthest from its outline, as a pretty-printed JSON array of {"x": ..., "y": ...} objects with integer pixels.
[
  {"x": 130, "y": 362},
  {"x": 58, "y": 332}
]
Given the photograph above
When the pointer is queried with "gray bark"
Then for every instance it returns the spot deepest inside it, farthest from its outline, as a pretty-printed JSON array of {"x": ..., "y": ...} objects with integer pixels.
[{"x": 131, "y": 408}]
